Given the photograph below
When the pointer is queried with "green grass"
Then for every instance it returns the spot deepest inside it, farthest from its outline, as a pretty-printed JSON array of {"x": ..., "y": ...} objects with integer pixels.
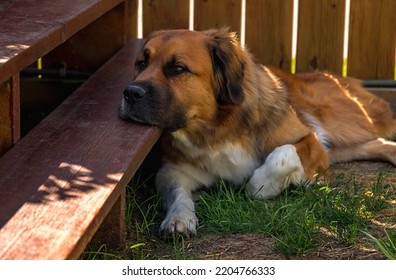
[
  {"x": 142, "y": 215},
  {"x": 295, "y": 219},
  {"x": 102, "y": 253},
  {"x": 388, "y": 245},
  {"x": 299, "y": 220}
]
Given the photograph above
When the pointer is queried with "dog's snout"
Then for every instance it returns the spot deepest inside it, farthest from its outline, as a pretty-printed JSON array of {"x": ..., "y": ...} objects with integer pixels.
[{"x": 134, "y": 93}]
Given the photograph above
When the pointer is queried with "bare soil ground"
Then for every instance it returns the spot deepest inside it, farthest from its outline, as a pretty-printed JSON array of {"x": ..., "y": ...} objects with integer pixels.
[{"x": 252, "y": 247}]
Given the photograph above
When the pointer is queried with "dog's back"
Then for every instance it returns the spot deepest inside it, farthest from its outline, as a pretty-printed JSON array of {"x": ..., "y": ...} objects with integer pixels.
[{"x": 345, "y": 113}]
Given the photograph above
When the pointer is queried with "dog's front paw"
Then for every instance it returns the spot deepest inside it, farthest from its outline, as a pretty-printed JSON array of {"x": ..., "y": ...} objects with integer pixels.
[
  {"x": 262, "y": 188},
  {"x": 281, "y": 168},
  {"x": 185, "y": 225}
]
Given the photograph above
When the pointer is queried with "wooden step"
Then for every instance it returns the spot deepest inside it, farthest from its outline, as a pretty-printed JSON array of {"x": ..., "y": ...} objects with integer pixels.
[{"x": 60, "y": 181}]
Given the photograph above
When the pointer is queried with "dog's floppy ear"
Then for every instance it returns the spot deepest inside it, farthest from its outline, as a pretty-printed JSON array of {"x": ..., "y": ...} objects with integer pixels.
[{"x": 228, "y": 65}]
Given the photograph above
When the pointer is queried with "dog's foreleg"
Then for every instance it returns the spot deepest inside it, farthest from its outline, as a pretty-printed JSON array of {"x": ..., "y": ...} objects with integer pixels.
[
  {"x": 289, "y": 164},
  {"x": 175, "y": 184}
]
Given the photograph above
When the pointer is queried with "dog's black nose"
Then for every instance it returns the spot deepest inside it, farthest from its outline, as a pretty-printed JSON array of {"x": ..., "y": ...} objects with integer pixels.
[{"x": 134, "y": 93}]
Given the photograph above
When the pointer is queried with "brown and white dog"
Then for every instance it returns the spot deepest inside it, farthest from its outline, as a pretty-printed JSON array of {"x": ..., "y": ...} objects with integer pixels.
[{"x": 225, "y": 116}]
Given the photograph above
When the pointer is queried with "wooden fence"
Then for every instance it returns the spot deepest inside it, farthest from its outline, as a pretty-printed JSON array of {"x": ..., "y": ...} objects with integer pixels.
[{"x": 268, "y": 26}]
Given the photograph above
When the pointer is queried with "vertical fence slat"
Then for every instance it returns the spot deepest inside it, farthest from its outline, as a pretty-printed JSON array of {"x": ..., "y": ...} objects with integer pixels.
[
  {"x": 269, "y": 27},
  {"x": 165, "y": 14},
  {"x": 219, "y": 13},
  {"x": 372, "y": 39},
  {"x": 130, "y": 19},
  {"x": 320, "y": 35}
]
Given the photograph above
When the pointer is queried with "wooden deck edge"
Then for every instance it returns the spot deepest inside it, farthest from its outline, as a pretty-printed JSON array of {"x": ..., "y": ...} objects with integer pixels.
[{"x": 60, "y": 182}]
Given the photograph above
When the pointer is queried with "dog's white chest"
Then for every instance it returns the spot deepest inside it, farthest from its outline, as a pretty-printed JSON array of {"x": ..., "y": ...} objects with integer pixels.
[
  {"x": 231, "y": 162},
  {"x": 228, "y": 161}
]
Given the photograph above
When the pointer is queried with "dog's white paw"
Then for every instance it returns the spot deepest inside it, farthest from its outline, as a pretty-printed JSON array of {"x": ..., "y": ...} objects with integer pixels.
[
  {"x": 183, "y": 223},
  {"x": 265, "y": 189},
  {"x": 282, "y": 167}
]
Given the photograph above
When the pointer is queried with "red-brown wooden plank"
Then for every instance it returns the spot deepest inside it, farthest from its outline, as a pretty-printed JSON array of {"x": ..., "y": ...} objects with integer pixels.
[
  {"x": 131, "y": 19},
  {"x": 9, "y": 113},
  {"x": 105, "y": 36},
  {"x": 29, "y": 30},
  {"x": 372, "y": 39},
  {"x": 320, "y": 36},
  {"x": 60, "y": 181},
  {"x": 165, "y": 14},
  {"x": 269, "y": 28},
  {"x": 5, "y": 123},
  {"x": 217, "y": 14}
]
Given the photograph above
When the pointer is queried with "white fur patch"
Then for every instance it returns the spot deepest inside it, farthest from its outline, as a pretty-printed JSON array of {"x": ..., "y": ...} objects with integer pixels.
[
  {"x": 230, "y": 161},
  {"x": 321, "y": 133},
  {"x": 186, "y": 176},
  {"x": 281, "y": 168}
]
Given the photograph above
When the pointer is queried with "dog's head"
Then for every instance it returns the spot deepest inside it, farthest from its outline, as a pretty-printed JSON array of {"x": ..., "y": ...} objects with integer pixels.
[{"x": 184, "y": 78}]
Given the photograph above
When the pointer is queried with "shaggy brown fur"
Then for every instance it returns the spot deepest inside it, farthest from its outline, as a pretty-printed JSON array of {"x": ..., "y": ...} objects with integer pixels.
[{"x": 226, "y": 116}]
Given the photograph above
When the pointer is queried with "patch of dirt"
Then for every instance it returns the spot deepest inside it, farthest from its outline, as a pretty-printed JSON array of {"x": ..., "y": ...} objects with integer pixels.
[
  {"x": 234, "y": 247},
  {"x": 332, "y": 250},
  {"x": 255, "y": 247},
  {"x": 230, "y": 247},
  {"x": 365, "y": 173}
]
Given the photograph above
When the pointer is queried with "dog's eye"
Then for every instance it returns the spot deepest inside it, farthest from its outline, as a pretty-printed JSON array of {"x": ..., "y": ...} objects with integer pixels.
[
  {"x": 177, "y": 70},
  {"x": 140, "y": 65}
]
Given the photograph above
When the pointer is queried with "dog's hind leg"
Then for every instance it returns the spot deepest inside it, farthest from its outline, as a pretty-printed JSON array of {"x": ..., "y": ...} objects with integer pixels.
[{"x": 378, "y": 149}]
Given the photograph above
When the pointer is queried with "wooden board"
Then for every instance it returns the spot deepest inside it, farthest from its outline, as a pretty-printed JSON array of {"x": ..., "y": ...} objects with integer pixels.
[
  {"x": 9, "y": 113},
  {"x": 217, "y": 14},
  {"x": 29, "y": 31},
  {"x": 320, "y": 35},
  {"x": 165, "y": 14},
  {"x": 26, "y": 35},
  {"x": 269, "y": 31},
  {"x": 372, "y": 39},
  {"x": 5, "y": 123},
  {"x": 104, "y": 37},
  {"x": 131, "y": 20},
  {"x": 60, "y": 181}
]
